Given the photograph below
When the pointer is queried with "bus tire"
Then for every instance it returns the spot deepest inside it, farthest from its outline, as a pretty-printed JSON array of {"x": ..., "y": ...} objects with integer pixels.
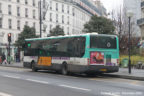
[
  {"x": 64, "y": 70},
  {"x": 34, "y": 69}
]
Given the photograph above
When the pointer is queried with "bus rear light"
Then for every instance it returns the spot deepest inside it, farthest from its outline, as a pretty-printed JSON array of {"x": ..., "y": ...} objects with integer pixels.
[
  {"x": 88, "y": 61},
  {"x": 118, "y": 61}
]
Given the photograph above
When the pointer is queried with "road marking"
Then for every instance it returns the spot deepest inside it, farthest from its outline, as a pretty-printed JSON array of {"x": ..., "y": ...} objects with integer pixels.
[
  {"x": 67, "y": 76},
  {"x": 38, "y": 81},
  {"x": 123, "y": 81},
  {"x": 109, "y": 94},
  {"x": 4, "y": 94},
  {"x": 15, "y": 77},
  {"x": 134, "y": 82},
  {"x": 75, "y": 87}
]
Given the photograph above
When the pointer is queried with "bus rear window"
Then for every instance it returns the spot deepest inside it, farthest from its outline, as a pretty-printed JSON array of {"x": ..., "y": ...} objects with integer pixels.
[{"x": 103, "y": 42}]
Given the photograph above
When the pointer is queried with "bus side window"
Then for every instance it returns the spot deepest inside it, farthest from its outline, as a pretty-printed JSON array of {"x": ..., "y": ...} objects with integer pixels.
[
  {"x": 42, "y": 52},
  {"x": 77, "y": 47},
  {"x": 71, "y": 48},
  {"x": 82, "y": 46}
]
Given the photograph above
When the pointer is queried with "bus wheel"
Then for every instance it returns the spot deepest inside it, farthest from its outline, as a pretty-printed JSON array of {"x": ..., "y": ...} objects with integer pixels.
[
  {"x": 34, "y": 69},
  {"x": 64, "y": 70}
]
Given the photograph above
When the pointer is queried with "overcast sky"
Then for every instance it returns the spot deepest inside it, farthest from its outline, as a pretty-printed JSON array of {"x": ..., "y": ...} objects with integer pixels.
[{"x": 112, "y": 4}]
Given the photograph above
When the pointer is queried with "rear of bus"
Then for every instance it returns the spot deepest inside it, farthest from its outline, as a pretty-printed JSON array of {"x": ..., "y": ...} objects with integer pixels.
[{"x": 103, "y": 53}]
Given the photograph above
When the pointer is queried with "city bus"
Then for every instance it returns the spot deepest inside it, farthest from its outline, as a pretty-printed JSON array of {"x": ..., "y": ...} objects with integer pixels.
[{"x": 87, "y": 53}]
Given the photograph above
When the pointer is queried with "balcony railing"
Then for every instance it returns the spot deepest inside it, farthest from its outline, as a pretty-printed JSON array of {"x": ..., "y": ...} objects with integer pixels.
[
  {"x": 142, "y": 4},
  {"x": 86, "y": 2},
  {"x": 91, "y": 6},
  {"x": 140, "y": 21}
]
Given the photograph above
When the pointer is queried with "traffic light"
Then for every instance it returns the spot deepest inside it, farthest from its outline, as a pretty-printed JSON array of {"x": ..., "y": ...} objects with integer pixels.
[{"x": 9, "y": 37}]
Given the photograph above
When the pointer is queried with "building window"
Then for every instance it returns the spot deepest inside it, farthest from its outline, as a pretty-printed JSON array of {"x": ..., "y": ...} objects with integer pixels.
[
  {"x": 0, "y": 8},
  {"x": 10, "y": 23},
  {"x": 26, "y": 1},
  {"x": 68, "y": 20},
  {"x": 63, "y": 27},
  {"x": 26, "y": 12},
  {"x": 63, "y": 8},
  {"x": 33, "y": 2},
  {"x": 56, "y": 6},
  {"x": 68, "y": 9},
  {"x": 44, "y": 4},
  {"x": 26, "y": 23},
  {"x": 50, "y": 16},
  {"x": 18, "y": 11},
  {"x": 68, "y": 30},
  {"x": 44, "y": 13},
  {"x": 34, "y": 25},
  {"x": 34, "y": 14},
  {"x": 50, "y": 27},
  {"x": 0, "y": 22},
  {"x": 50, "y": 5},
  {"x": 57, "y": 18},
  {"x": 73, "y": 10},
  {"x": 62, "y": 18},
  {"x": 9, "y": 9},
  {"x": 18, "y": 24},
  {"x": 18, "y": 1}
]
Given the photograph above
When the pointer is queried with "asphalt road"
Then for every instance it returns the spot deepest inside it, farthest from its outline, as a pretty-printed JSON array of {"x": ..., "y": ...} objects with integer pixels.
[{"x": 23, "y": 82}]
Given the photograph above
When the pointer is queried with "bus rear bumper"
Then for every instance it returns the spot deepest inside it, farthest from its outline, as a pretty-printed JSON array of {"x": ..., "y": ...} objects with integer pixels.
[
  {"x": 93, "y": 69},
  {"x": 102, "y": 69}
]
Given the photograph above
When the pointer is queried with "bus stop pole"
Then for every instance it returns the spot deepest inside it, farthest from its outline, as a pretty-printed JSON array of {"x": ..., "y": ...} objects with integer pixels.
[{"x": 9, "y": 53}]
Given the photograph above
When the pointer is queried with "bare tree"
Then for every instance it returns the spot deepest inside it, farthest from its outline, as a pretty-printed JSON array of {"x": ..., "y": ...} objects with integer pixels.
[{"x": 122, "y": 30}]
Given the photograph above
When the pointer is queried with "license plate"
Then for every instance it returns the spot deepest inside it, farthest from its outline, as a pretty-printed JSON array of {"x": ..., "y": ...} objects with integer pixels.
[{"x": 103, "y": 70}]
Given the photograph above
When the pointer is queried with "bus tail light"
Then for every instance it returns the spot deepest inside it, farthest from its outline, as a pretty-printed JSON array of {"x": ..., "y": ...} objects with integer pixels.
[
  {"x": 118, "y": 61},
  {"x": 88, "y": 61}
]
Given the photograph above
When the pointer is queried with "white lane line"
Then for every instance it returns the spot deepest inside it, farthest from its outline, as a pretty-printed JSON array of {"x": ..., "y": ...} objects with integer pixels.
[
  {"x": 75, "y": 87},
  {"x": 38, "y": 81},
  {"x": 110, "y": 94},
  {"x": 10, "y": 76},
  {"x": 4, "y": 94}
]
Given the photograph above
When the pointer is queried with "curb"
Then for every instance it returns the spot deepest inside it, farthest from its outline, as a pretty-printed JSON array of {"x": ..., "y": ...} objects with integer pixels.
[
  {"x": 125, "y": 77},
  {"x": 11, "y": 65}
]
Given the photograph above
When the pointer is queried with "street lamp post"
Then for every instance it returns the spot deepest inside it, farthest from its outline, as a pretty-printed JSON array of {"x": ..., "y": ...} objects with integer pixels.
[
  {"x": 129, "y": 14},
  {"x": 129, "y": 47},
  {"x": 40, "y": 19}
]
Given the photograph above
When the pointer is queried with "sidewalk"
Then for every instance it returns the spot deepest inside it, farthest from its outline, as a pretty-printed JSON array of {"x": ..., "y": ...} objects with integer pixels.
[
  {"x": 136, "y": 74},
  {"x": 13, "y": 64}
]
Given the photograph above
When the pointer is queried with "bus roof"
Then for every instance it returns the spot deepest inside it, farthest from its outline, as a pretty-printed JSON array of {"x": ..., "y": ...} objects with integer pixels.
[{"x": 60, "y": 36}]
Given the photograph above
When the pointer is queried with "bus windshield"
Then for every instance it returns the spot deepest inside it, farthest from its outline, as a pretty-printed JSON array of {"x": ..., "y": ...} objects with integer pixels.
[{"x": 104, "y": 42}]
